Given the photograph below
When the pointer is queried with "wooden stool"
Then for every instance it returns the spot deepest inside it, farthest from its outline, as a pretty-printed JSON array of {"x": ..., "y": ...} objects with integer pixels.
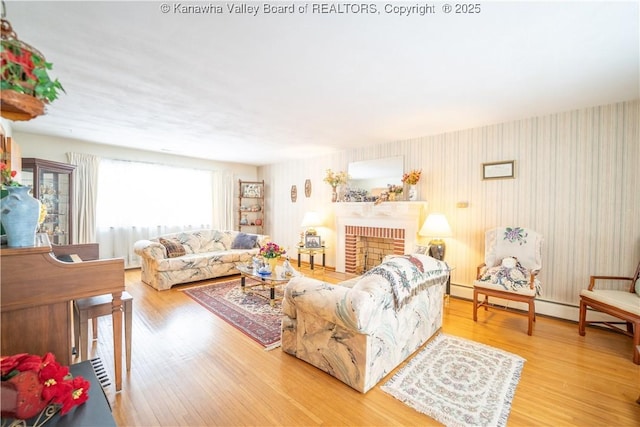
[{"x": 86, "y": 309}]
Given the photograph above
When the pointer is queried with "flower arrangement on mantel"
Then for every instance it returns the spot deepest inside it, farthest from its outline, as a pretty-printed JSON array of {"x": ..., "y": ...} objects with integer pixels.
[
  {"x": 396, "y": 189},
  {"x": 34, "y": 385},
  {"x": 25, "y": 85},
  {"x": 412, "y": 177},
  {"x": 272, "y": 250},
  {"x": 336, "y": 178}
]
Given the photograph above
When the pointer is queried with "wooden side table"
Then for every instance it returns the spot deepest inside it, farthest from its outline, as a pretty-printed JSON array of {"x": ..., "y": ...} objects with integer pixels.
[{"x": 311, "y": 252}]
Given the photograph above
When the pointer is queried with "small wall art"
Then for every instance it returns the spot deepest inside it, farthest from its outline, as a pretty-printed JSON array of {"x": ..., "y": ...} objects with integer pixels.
[
  {"x": 499, "y": 170},
  {"x": 294, "y": 193},
  {"x": 307, "y": 188}
]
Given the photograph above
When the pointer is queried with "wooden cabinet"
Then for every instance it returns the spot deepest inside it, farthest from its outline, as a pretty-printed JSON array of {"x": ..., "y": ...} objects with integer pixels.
[
  {"x": 251, "y": 215},
  {"x": 52, "y": 184}
]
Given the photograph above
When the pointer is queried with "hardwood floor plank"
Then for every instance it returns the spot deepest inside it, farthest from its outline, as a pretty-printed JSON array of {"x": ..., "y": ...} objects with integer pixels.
[{"x": 190, "y": 368}]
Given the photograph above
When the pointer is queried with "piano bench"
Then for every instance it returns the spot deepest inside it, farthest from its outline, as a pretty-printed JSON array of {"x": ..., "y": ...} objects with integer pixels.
[{"x": 86, "y": 309}]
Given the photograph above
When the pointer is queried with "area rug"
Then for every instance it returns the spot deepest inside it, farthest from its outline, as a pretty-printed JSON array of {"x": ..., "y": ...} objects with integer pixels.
[
  {"x": 459, "y": 382},
  {"x": 249, "y": 313}
]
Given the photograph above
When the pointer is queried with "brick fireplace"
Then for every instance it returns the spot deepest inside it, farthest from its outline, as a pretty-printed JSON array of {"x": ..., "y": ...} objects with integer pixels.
[
  {"x": 365, "y": 247},
  {"x": 365, "y": 230}
]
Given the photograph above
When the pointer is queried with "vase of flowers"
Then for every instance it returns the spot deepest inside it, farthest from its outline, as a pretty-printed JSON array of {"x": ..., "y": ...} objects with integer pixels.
[
  {"x": 271, "y": 252},
  {"x": 19, "y": 211},
  {"x": 334, "y": 180},
  {"x": 38, "y": 386},
  {"x": 411, "y": 179},
  {"x": 394, "y": 192}
]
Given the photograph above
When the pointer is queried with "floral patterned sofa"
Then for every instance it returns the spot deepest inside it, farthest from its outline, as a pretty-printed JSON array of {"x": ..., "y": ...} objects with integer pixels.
[
  {"x": 195, "y": 255},
  {"x": 360, "y": 330}
]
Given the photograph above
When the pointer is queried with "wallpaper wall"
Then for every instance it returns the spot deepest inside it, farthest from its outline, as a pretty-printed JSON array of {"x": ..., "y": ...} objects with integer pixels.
[{"x": 577, "y": 182}]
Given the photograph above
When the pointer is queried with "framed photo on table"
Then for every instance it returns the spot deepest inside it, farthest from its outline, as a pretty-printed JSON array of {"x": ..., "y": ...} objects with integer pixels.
[{"x": 312, "y": 241}]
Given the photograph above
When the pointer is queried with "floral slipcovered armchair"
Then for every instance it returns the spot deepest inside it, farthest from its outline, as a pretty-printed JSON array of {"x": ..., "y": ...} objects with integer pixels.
[{"x": 513, "y": 259}]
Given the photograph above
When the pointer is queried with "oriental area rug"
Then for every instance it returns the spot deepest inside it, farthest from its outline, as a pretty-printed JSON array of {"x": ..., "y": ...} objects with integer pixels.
[
  {"x": 247, "y": 312},
  {"x": 459, "y": 382}
]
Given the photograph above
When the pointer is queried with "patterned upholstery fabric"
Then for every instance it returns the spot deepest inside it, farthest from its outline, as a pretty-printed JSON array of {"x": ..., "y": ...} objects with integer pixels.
[
  {"x": 506, "y": 243},
  {"x": 356, "y": 332},
  {"x": 173, "y": 247},
  {"x": 521, "y": 243},
  {"x": 207, "y": 254}
]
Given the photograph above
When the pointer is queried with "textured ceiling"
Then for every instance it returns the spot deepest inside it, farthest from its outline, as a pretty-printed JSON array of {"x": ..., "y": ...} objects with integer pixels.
[{"x": 274, "y": 87}]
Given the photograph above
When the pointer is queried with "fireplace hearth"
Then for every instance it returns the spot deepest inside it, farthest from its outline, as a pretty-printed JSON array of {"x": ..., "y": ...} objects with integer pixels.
[{"x": 375, "y": 231}]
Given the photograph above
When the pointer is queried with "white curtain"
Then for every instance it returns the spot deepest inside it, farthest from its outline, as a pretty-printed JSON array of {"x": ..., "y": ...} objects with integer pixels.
[
  {"x": 142, "y": 201},
  {"x": 223, "y": 200},
  {"x": 85, "y": 194}
]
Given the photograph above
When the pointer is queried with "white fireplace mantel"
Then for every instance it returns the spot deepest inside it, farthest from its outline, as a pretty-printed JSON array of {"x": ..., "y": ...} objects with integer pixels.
[{"x": 402, "y": 215}]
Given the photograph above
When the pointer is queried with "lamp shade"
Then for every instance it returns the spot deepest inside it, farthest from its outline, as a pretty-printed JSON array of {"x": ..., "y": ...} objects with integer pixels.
[
  {"x": 311, "y": 219},
  {"x": 436, "y": 225}
]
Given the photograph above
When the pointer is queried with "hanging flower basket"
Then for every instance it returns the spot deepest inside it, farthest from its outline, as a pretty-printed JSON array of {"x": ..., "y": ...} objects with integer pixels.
[
  {"x": 20, "y": 107},
  {"x": 25, "y": 85}
]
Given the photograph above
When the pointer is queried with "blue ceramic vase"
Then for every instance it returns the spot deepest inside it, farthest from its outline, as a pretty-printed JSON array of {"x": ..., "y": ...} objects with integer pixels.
[{"x": 19, "y": 215}]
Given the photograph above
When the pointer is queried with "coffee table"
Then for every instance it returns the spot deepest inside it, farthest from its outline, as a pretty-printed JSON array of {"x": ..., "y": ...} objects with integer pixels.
[{"x": 269, "y": 282}]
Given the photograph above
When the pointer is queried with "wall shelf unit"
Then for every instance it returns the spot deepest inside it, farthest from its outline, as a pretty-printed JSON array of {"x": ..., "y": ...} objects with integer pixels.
[{"x": 251, "y": 215}]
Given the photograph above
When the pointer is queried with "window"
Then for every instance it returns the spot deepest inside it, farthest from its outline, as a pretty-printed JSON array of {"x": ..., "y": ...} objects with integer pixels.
[{"x": 143, "y": 194}]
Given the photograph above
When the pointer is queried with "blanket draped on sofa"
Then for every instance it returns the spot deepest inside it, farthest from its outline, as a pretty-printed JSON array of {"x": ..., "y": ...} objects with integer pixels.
[{"x": 407, "y": 276}]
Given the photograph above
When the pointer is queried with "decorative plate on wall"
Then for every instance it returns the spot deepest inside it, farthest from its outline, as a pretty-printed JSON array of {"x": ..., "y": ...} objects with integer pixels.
[
  {"x": 307, "y": 188},
  {"x": 294, "y": 193}
]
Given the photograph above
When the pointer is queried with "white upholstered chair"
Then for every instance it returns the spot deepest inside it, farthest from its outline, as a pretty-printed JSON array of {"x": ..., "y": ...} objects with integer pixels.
[{"x": 513, "y": 258}]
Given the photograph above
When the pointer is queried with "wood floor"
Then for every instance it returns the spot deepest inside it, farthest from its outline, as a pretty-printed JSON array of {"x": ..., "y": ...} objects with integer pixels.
[{"x": 190, "y": 368}]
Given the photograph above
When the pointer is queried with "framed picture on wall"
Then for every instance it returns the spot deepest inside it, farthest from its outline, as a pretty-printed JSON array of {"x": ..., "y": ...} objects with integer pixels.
[
  {"x": 312, "y": 241},
  {"x": 499, "y": 170}
]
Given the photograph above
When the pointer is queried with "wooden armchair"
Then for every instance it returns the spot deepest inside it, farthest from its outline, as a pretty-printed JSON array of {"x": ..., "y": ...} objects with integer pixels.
[{"x": 622, "y": 303}]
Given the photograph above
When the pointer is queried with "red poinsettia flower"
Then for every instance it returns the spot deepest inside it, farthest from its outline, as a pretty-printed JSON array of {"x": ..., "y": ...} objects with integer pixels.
[
  {"x": 28, "y": 362},
  {"x": 53, "y": 378},
  {"x": 78, "y": 396},
  {"x": 30, "y": 383},
  {"x": 8, "y": 364}
]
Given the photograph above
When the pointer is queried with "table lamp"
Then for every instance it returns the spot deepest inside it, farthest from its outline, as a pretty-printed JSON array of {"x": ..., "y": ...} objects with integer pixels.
[
  {"x": 437, "y": 227},
  {"x": 309, "y": 222}
]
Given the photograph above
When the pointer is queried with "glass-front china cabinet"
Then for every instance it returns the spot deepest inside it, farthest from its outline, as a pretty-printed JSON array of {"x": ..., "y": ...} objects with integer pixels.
[{"x": 52, "y": 184}]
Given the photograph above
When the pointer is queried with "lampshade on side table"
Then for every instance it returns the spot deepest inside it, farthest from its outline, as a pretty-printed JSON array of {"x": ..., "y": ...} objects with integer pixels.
[{"x": 437, "y": 227}]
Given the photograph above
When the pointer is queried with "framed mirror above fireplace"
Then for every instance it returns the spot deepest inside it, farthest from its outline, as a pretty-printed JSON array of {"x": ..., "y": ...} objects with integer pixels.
[{"x": 373, "y": 175}]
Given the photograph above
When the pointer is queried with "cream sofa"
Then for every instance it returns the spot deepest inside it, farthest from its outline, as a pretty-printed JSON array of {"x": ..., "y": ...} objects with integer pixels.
[
  {"x": 195, "y": 255},
  {"x": 360, "y": 330}
]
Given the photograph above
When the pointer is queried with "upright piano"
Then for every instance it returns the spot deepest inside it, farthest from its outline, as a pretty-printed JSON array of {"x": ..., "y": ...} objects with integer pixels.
[{"x": 36, "y": 291}]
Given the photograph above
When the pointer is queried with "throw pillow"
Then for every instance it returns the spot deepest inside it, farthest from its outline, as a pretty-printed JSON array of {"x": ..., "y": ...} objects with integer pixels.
[
  {"x": 174, "y": 248},
  {"x": 638, "y": 287},
  {"x": 244, "y": 241}
]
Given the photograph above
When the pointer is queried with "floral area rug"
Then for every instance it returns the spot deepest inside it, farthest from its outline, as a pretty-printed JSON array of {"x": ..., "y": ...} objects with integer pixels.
[
  {"x": 247, "y": 312},
  {"x": 459, "y": 382}
]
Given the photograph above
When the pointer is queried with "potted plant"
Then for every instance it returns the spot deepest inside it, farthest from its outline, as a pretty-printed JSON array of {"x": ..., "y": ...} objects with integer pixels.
[{"x": 25, "y": 85}]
